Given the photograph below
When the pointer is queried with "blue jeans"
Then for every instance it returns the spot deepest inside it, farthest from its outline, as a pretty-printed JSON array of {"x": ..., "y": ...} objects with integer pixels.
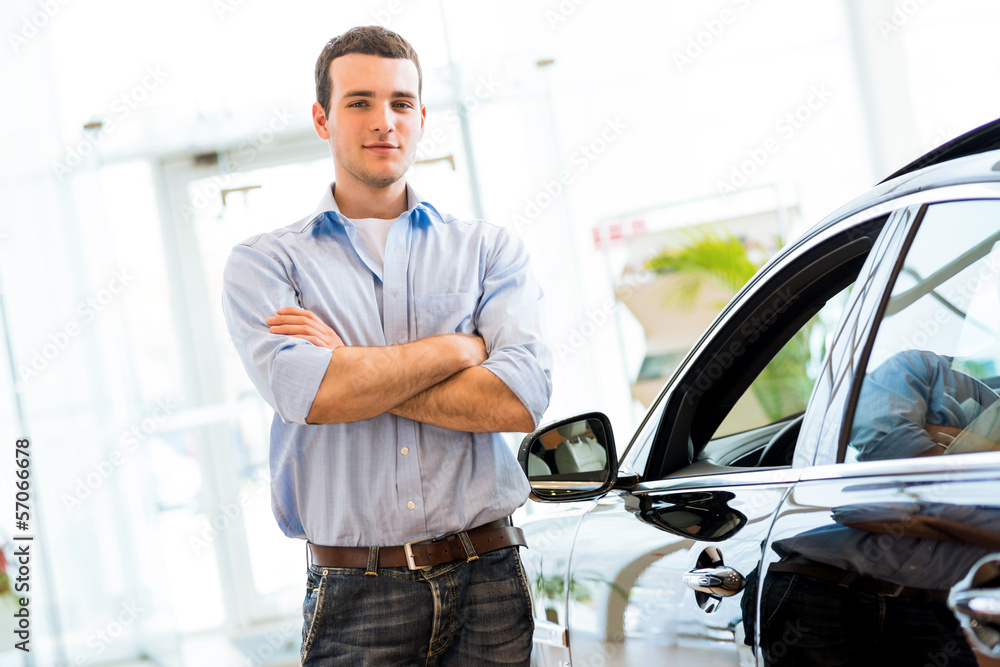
[
  {"x": 809, "y": 621},
  {"x": 461, "y": 613}
]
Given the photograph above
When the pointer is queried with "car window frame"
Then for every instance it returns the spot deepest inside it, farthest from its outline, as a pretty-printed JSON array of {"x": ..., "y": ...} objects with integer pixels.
[
  {"x": 863, "y": 358},
  {"x": 673, "y": 448}
]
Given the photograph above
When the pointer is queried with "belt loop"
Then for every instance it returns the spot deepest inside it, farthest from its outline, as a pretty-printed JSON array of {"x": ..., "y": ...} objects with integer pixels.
[
  {"x": 467, "y": 545},
  {"x": 848, "y": 580},
  {"x": 372, "y": 562}
]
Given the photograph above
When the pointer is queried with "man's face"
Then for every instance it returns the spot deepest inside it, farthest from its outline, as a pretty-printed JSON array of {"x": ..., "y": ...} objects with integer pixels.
[{"x": 375, "y": 118}]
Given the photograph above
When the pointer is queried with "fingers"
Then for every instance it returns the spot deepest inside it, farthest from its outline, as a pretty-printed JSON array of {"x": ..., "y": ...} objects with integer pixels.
[
  {"x": 292, "y": 310},
  {"x": 293, "y": 315},
  {"x": 312, "y": 339},
  {"x": 290, "y": 329},
  {"x": 287, "y": 320}
]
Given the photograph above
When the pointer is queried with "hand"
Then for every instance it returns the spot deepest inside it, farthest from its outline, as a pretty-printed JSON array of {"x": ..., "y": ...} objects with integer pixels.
[
  {"x": 304, "y": 324},
  {"x": 943, "y": 435}
]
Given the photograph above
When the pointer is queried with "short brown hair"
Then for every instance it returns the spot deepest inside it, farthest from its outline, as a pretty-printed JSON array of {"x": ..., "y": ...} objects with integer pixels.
[{"x": 370, "y": 40}]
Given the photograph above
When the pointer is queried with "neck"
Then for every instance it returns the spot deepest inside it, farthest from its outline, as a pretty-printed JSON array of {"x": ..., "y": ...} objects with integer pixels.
[{"x": 357, "y": 200}]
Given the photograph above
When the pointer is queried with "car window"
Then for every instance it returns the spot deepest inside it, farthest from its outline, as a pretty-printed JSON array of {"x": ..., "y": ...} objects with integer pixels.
[
  {"x": 782, "y": 389},
  {"x": 930, "y": 383},
  {"x": 716, "y": 416}
]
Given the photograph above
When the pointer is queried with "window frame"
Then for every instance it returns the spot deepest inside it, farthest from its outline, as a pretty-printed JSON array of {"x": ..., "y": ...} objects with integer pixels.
[{"x": 802, "y": 271}]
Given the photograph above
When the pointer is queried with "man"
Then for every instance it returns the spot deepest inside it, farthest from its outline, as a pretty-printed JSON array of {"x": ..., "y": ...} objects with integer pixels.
[
  {"x": 916, "y": 404},
  {"x": 394, "y": 344}
]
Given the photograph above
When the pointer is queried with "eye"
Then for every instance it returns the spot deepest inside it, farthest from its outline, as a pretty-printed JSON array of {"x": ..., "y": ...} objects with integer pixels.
[{"x": 357, "y": 104}]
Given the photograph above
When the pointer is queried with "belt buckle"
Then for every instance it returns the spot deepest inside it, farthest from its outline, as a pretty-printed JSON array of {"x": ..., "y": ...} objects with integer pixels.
[
  {"x": 896, "y": 593},
  {"x": 408, "y": 550}
]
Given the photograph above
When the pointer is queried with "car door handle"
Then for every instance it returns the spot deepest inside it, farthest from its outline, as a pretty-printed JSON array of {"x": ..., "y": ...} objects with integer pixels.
[
  {"x": 721, "y": 581},
  {"x": 979, "y": 611},
  {"x": 980, "y": 605}
]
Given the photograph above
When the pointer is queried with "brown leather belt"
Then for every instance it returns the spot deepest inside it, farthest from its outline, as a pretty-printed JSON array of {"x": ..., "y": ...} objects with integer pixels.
[
  {"x": 424, "y": 553},
  {"x": 855, "y": 582}
]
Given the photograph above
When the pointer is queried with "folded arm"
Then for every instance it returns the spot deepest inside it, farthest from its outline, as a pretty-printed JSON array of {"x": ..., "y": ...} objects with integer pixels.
[
  {"x": 474, "y": 400},
  {"x": 509, "y": 391},
  {"x": 302, "y": 367},
  {"x": 444, "y": 386},
  {"x": 364, "y": 382}
]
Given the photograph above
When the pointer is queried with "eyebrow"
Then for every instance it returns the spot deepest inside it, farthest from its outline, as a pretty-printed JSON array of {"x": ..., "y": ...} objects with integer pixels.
[{"x": 370, "y": 93}]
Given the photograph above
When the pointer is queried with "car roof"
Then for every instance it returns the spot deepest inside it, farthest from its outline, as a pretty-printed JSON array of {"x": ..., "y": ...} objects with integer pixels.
[
  {"x": 973, "y": 157},
  {"x": 983, "y": 138}
]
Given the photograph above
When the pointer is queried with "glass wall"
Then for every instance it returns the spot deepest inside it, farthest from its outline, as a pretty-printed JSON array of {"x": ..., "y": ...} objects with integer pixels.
[{"x": 146, "y": 140}]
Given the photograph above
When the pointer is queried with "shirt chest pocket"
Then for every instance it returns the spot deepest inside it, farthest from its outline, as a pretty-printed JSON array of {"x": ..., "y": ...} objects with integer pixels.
[{"x": 445, "y": 314}]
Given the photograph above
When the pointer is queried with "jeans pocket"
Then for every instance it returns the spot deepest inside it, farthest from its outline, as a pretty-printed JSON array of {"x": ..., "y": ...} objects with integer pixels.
[
  {"x": 312, "y": 611},
  {"x": 777, "y": 590},
  {"x": 525, "y": 588}
]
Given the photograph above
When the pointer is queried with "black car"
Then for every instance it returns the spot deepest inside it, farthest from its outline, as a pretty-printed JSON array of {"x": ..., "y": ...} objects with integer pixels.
[{"x": 857, "y": 528}]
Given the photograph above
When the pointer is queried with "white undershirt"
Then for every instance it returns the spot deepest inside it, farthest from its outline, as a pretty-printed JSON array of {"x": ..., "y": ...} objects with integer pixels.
[{"x": 375, "y": 232}]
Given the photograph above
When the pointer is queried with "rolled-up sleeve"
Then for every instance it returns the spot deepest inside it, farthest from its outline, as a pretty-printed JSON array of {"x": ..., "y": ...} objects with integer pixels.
[
  {"x": 510, "y": 319},
  {"x": 287, "y": 371},
  {"x": 909, "y": 390}
]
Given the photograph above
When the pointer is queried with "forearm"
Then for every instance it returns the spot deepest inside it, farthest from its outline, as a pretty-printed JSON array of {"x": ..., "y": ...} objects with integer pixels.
[
  {"x": 473, "y": 400},
  {"x": 363, "y": 382}
]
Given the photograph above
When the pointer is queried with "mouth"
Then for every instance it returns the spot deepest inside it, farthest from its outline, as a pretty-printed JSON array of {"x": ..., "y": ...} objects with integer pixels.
[{"x": 381, "y": 148}]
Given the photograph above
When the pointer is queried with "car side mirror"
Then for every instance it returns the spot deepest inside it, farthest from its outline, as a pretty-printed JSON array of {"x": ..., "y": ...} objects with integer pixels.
[{"x": 573, "y": 459}]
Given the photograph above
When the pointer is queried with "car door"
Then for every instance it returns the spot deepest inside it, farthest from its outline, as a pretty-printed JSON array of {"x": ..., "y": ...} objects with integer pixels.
[
  {"x": 711, "y": 469},
  {"x": 899, "y": 470}
]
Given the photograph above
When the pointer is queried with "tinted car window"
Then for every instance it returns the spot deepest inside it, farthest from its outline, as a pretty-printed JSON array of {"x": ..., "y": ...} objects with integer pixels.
[
  {"x": 782, "y": 389},
  {"x": 931, "y": 381},
  {"x": 775, "y": 307}
]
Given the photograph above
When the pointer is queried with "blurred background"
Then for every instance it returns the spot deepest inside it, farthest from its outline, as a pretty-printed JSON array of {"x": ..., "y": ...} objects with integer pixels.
[{"x": 622, "y": 141}]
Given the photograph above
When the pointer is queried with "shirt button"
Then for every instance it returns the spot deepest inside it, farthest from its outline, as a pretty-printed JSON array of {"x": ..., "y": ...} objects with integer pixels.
[
  {"x": 410, "y": 505},
  {"x": 404, "y": 451}
]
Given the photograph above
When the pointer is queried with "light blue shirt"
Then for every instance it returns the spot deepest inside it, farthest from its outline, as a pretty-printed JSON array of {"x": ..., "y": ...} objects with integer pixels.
[
  {"x": 386, "y": 480},
  {"x": 909, "y": 390},
  {"x": 901, "y": 559}
]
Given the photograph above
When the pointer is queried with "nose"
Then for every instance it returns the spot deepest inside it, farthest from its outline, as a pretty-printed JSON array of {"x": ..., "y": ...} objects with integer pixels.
[{"x": 382, "y": 119}]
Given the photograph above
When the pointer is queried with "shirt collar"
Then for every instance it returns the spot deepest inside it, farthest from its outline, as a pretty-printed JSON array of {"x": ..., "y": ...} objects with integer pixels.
[{"x": 413, "y": 202}]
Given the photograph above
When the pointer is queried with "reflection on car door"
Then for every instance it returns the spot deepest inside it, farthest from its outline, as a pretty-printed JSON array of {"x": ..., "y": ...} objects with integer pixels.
[
  {"x": 631, "y": 605},
  {"x": 882, "y": 536}
]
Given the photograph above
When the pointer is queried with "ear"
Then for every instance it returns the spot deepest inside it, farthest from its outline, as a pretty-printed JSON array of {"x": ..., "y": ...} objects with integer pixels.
[
  {"x": 423, "y": 118},
  {"x": 320, "y": 121}
]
